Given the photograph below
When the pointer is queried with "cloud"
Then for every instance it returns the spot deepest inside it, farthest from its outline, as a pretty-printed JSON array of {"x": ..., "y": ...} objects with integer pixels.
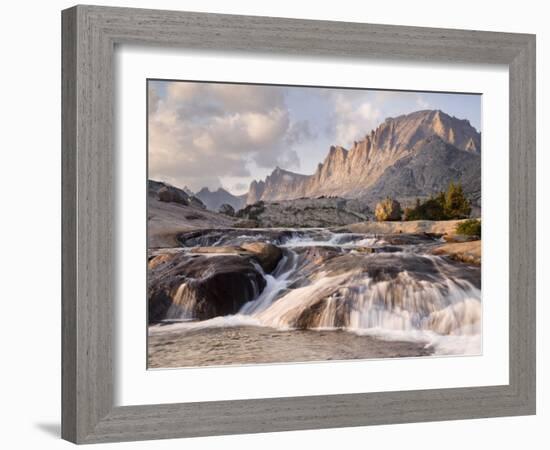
[
  {"x": 299, "y": 132},
  {"x": 152, "y": 100},
  {"x": 422, "y": 103},
  {"x": 200, "y": 133},
  {"x": 240, "y": 187},
  {"x": 354, "y": 115}
]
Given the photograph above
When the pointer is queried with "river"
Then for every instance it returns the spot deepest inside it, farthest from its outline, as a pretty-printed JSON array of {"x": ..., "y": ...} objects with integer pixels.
[{"x": 332, "y": 296}]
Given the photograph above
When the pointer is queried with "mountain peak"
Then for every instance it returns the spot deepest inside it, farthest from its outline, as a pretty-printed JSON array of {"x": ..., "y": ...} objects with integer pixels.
[
  {"x": 206, "y": 190},
  {"x": 402, "y": 132},
  {"x": 351, "y": 172},
  {"x": 215, "y": 198},
  {"x": 278, "y": 172},
  {"x": 337, "y": 151}
]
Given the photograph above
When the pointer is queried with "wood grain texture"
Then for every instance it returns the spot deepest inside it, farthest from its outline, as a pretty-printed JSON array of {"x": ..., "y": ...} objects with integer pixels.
[
  {"x": 68, "y": 225},
  {"x": 89, "y": 36}
]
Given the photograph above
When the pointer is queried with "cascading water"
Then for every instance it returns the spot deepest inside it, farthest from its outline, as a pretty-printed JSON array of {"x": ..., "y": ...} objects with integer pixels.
[
  {"x": 275, "y": 284},
  {"x": 357, "y": 302},
  {"x": 183, "y": 304},
  {"x": 354, "y": 282}
]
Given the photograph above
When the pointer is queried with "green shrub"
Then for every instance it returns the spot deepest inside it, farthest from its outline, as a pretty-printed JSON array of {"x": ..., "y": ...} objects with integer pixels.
[
  {"x": 431, "y": 209},
  {"x": 470, "y": 227}
]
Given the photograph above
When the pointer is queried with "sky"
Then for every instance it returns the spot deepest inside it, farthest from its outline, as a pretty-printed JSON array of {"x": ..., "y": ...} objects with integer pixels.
[{"x": 226, "y": 135}]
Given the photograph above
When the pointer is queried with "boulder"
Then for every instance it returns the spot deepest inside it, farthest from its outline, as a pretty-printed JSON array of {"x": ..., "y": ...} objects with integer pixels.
[
  {"x": 227, "y": 209},
  {"x": 170, "y": 194},
  {"x": 318, "y": 255},
  {"x": 268, "y": 255},
  {"x": 388, "y": 209},
  {"x": 156, "y": 261},
  {"x": 201, "y": 287},
  {"x": 313, "y": 315}
]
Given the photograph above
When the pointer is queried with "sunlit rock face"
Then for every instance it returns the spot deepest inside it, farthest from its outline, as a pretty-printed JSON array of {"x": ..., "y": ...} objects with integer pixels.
[{"x": 352, "y": 172}]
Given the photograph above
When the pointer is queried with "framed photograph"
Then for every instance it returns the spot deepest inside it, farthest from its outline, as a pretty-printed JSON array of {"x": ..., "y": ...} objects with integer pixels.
[{"x": 277, "y": 224}]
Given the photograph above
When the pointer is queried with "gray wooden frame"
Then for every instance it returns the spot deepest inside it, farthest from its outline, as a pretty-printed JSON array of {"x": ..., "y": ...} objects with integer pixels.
[{"x": 90, "y": 34}]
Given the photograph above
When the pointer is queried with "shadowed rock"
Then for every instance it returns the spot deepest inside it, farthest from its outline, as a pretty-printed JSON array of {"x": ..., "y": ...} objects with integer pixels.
[
  {"x": 202, "y": 287},
  {"x": 172, "y": 195}
]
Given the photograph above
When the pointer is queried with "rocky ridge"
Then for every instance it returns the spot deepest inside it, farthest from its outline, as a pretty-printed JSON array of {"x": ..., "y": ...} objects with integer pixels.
[
  {"x": 215, "y": 199},
  {"x": 361, "y": 170},
  {"x": 304, "y": 213}
]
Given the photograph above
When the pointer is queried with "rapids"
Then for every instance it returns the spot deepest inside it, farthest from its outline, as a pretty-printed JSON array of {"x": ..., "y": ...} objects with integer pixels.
[{"x": 388, "y": 286}]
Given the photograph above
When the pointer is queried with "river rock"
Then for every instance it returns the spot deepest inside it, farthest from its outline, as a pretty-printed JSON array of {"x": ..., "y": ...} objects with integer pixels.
[
  {"x": 156, "y": 261},
  {"x": 318, "y": 255},
  {"x": 365, "y": 249},
  {"x": 225, "y": 249},
  {"x": 202, "y": 287},
  {"x": 268, "y": 255},
  {"x": 335, "y": 305}
]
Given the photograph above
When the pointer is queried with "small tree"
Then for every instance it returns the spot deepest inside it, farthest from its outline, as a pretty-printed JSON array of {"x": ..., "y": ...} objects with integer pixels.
[
  {"x": 388, "y": 209},
  {"x": 451, "y": 204},
  {"x": 431, "y": 209},
  {"x": 414, "y": 212},
  {"x": 457, "y": 206}
]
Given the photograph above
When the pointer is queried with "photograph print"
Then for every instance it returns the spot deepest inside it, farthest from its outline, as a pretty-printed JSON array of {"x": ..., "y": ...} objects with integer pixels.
[{"x": 297, "y": 224}]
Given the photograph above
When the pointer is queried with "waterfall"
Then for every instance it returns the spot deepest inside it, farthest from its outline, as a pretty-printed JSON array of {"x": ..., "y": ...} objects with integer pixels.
[
  {"x": 354, "y": 303},
  {"x": 327, "y": 280},
  {"x": 432, "y": 299},
  {"x": 183, "y": 304},
  {"x": 275, "y": 284}
]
